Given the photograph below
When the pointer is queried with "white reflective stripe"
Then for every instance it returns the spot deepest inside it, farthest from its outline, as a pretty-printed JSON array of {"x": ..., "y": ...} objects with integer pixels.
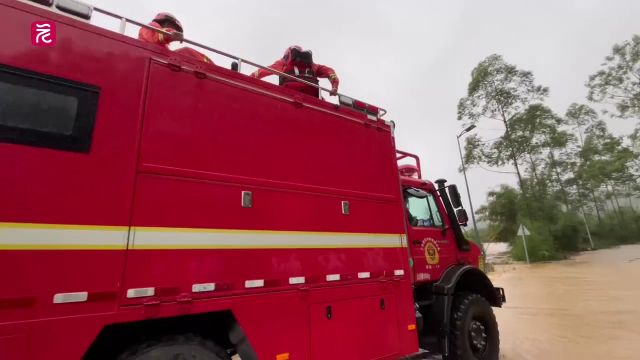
[
  {"x": 296, "y": 71},
  {"x": 364, "y": 275},
  {"x": 254, "y": 283},
  {"x": 333, "y": 277},
  {"x": 73, "y": 297},
  {"x": 42, "y": 236},
  {"x": 297, "y": 280},
  {"x": 145, "y": 238},
  {"x": 398, "y": 272},
  {"x": 203, "y": 287},
  {"x": 140, "y": 292}
]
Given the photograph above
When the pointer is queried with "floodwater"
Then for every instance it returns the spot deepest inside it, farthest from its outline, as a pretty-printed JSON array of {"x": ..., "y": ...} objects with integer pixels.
[{"x": 584, "y": 308}]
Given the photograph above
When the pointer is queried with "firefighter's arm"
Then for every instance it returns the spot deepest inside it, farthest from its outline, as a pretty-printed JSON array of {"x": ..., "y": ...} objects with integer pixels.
[
  {"x": 323, "y": 71},
  {"x": 260, "y": 73}
]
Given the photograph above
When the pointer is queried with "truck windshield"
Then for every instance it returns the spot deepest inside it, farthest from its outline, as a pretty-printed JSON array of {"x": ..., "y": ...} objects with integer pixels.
[{"x": 423, "y": 212}]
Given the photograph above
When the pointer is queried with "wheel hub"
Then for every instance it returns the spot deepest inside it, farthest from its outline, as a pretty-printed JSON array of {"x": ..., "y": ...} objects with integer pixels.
[{"x": 477, "y": 337}]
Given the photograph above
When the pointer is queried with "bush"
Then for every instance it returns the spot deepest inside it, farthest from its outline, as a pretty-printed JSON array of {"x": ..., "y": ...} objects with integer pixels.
[
  {"x": 616, "y": 229},
  {"x": 540, "y": 244},
  {"x": 568, "y": 232}
]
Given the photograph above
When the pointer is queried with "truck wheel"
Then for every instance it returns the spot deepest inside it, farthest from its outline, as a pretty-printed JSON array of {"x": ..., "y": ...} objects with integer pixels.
[
  {"x": 474, "y": 331},
  {"x": 182, "y": 347}
]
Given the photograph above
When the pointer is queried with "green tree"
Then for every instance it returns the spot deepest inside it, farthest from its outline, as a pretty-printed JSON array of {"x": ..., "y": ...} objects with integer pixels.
[
  {"x": 618, "y": 82},
  {"x": 605, "y": 164},
  {"x": 498, "y": 91},
  {"x": 580, "y": 116},
  {"x": 501, "y": 212},
  {"x": 536, "y": 133}
]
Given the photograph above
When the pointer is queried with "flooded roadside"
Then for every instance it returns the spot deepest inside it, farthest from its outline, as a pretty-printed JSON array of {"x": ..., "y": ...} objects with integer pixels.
[{"x": 584, "y": 308}]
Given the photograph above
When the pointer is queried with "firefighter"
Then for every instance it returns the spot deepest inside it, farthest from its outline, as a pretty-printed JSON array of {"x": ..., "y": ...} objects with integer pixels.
[
  {"x": 165, "y": 22},
  {"x": 169, "y": 23},
  {"x": 299, "y": 63}
]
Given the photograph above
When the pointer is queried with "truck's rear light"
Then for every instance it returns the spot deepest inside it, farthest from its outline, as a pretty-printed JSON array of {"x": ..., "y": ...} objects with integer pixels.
[
  {"x": 76, "y": 8},
  {"x": 43, "y": 2},
  {"x": 360, "y": 105}
]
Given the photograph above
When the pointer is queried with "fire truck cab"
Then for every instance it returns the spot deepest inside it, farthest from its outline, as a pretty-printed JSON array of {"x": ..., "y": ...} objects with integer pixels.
[{"x": 157, "y": 207}]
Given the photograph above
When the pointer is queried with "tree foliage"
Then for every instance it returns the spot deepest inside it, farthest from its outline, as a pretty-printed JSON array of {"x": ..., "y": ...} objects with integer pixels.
[
  {"x": 499, "y": 91},
  {"x": 571, "y": 169},
  {"x": 618, "y": 82}
]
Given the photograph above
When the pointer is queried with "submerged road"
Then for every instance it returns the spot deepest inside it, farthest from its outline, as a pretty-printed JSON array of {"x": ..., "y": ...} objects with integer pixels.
[{"x": 584, "y": 308}]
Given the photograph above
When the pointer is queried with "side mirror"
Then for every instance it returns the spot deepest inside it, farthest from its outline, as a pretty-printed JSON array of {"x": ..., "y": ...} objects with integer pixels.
[
  {"x": 234, "y": 66},
  {"x": 454, "y": 195},
  {"x": 462, "y": 216}
]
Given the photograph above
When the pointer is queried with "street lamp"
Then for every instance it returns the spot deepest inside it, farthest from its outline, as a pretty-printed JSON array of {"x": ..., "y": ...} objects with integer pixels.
[{"x": 466, "y": 182}]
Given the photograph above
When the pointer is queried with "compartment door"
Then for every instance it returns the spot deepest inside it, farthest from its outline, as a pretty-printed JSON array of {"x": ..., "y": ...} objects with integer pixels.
[{"x": 365, "y": 328}]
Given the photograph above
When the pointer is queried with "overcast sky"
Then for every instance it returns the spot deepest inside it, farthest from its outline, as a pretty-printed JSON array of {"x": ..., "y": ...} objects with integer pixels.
[{"x": 415, "y": 58}]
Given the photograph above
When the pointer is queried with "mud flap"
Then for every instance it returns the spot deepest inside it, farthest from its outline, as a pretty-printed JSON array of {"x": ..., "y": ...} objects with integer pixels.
[{"x": 241, "y": 343}]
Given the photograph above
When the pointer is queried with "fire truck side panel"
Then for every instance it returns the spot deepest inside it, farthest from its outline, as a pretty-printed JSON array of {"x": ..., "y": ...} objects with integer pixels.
[
  {"x": 161, "y": 187},
  {"x": 64, "y": 215},
  {"x": 226, "y": 129}
]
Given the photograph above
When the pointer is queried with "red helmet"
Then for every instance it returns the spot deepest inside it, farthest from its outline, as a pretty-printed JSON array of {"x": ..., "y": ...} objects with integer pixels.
[{"x": 163, "y": 18}]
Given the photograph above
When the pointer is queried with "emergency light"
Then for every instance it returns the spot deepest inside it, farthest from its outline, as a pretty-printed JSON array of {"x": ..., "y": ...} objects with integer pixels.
[
  {"x": 409, "y": 170},
  {"x": 76, "y": 8},
  {"x": 43, "y": 2},
  {"x": 71, "y": 7},
  {"x": 371, "y": 111}
]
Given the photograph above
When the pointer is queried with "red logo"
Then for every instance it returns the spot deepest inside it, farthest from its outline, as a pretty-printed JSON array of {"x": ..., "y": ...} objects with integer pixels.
[{"x": 43, "y": 33}]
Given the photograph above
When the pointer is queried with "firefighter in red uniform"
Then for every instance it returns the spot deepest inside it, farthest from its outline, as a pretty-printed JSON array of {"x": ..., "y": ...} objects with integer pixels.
[
  {"x": 299, "y": 63},
  {"x": 170, "y": 24}
]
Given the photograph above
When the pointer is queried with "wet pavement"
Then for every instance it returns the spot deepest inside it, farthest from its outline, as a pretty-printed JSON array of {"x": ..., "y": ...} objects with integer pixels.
[{"x": 584, "y": 308}]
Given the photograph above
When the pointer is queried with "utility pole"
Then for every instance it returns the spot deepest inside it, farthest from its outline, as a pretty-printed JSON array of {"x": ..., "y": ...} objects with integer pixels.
[{"x": 466, "y": 182}]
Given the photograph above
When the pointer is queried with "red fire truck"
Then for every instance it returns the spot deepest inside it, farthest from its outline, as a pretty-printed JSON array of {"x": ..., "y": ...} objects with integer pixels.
[{"x": 157, "y": 207}]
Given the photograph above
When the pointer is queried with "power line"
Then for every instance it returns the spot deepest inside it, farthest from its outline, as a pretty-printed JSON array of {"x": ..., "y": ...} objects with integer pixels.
[{"x": 497, "y": 171}]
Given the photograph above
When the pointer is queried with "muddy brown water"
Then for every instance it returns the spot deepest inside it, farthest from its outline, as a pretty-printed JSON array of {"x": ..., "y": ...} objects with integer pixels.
[{"x": 587, "y": 307}]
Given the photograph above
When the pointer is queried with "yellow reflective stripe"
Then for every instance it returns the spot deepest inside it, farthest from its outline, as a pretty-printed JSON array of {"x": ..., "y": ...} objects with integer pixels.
[
  {"x": 60, "y": 226},
  {"x": 27, "y": 236}
]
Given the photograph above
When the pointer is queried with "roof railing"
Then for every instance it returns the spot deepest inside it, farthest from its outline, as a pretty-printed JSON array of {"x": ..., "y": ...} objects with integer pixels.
[
  {"x": 124, "y": 21},
  {"x": 400, "y": 155}
]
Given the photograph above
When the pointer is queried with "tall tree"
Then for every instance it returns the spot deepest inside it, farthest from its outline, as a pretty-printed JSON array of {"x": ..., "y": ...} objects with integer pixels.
[
  {"x": 498, "y": 91},
  {"x": 535, "y": 131},
  {"x": 580, "y": 116},
  {"x": 605, "y": 163},
  {"x": 618, "y": 82}
]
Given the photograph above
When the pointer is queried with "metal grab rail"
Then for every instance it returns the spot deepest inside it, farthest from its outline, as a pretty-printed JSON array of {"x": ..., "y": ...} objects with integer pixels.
[
  {"x": 123, "y": 25},
  {"x": 403, "y": 155}
]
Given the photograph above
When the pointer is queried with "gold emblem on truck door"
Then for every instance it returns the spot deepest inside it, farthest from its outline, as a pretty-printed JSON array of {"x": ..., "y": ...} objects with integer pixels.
[{"x": 431, "y": 252}]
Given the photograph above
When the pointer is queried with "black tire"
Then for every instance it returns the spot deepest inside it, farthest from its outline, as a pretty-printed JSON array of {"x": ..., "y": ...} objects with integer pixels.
[
  {"x": 180, "y": 347},
  {"x": 474, "y": 331}
]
